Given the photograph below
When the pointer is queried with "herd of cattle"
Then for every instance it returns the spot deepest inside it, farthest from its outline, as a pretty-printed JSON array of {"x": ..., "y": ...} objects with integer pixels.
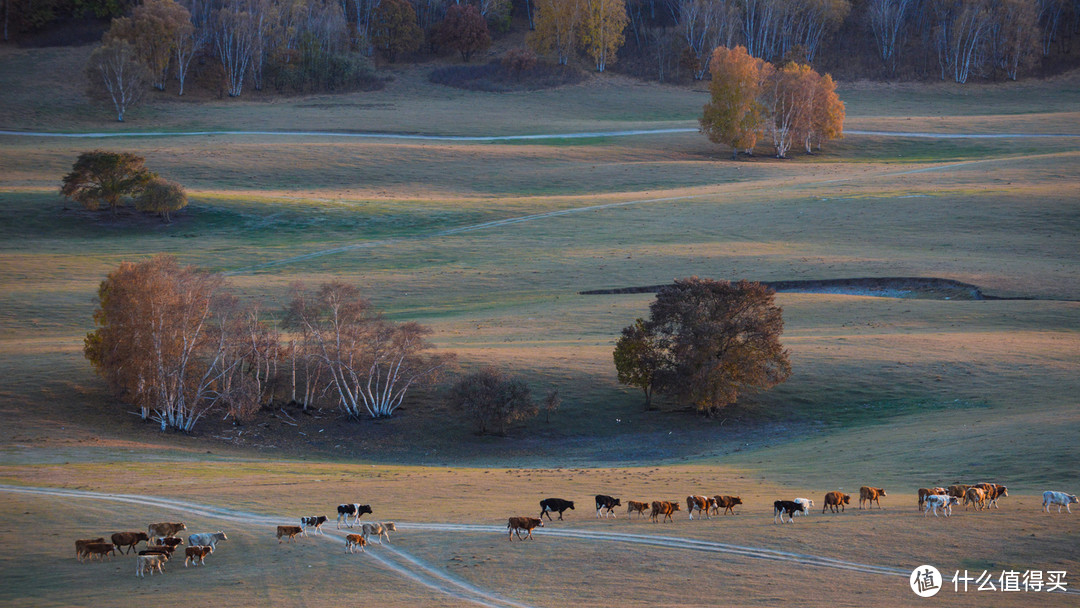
[{"x": 161, "y": 541}]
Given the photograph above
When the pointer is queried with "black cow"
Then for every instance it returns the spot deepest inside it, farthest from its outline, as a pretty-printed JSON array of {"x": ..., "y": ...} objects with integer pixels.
[
  {"x": 315, "y": 521},
  {"x": 353, "y": 509},
  {"x": 606, "y": 502},
  {"x": 780, "y": 507},
  {"x": 555, "y": 504}
]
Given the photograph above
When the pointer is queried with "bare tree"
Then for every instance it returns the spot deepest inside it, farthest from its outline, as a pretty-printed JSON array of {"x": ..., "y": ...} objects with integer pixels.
[
  {"x": 372, "y": 362},
  {"x": 705, "y": 25},
  {"x": 235, "y": 36},
  {"x": 887, "y": 19},
  {"x": 116, "y": 73}
]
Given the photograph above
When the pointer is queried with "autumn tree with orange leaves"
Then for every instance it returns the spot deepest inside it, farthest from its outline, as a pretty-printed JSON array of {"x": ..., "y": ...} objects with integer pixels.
[
  {"x": 735, "y": 114},
  {"x": 750, "y": 98},
  {"x": 162, "y": 341}
]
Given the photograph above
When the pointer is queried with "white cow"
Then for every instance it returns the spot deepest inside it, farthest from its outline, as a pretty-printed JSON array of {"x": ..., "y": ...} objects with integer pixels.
[
  {"x": 806, "y": 503},
  {"x": 207, "y": 539},
  {"x": 379, "y": 530},
  {"x": 1060, "y": 499},
  {"x": 940, "y": 501}
]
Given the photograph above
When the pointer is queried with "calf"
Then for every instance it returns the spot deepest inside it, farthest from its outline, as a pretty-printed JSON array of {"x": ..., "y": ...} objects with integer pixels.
[
  {"x": 352, "y": 509},
  {"x": 870, "y": 495},
  {"x": 196, "y": 554},
  {"x": 151, "y": 563},
  {"x": 924, "y": 492},
  {"x": 314, "y": 521},
  {"x": 944, "y": 502},
  {"x": 80, "y": 546},
  {"x": 806, "y": 503},
  {"x": 171, "y": 541},
  {"x": 290, "y": 531},
  {"x": 606, "y": 502},
  {"x": 727, "y": 503},
  {"x": 100, "y": 549},
  {"x": 128, "y": 540},
  {"x": 665, "y": 508},
  {"x": 834, "y": 500},
  {"x": 379, "y": 530},
  {"x": 1061, "y": 499},
  {"x": 634, "y": 506},
  {"x": 790, "y": 507},
  {"x": 352, "y": 541},
  {"x": 557, "y": 505},
  {"x": 700, "y": 504},
  {"x": 516, "y": 524}
]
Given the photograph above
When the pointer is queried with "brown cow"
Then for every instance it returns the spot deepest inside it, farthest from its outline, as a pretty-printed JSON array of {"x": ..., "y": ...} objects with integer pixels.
[
  {"x": 128, "y": 540},
  {"x": 1000, "y": 491},
  {"x": 664, "y": 507},
  {"x": 196, "y": 554},
  {"x": 290, "y": 531},
  {"x": 102, "y": 549},
  {"x": 924, "y": 492},
  {"x": 164, "y": 529},
  {"x": 633, "y": 506},
  {"x": 727, "y": 503},
  {"x": 975, "y": 496},
  {"x": 80, "y": 546},
  {"x": 701, "y": 504},
  {"x": 870, "y": 495},
  {"x": 352, "y": 541},
  {"x": 171, "y": 541},
  {"x": 958, "y": 490},
  {"x": 516, "y": 524},
  {"x": 836, "y": 499}
]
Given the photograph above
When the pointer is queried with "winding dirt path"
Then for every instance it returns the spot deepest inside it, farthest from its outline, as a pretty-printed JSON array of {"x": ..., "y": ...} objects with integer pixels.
[{"x": 496, "y": 138}]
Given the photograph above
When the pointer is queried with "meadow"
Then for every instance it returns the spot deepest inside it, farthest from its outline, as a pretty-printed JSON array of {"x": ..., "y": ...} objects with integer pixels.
[{"x": 490, "y": 244}]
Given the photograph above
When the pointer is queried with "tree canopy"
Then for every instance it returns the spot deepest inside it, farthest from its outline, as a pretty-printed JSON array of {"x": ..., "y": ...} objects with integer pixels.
[
  {"x": 162, "y": 197},
  {"x": 705, "y": 343},
  {"x": 492, "y": 400},
  {"x": 103, "y": 178}
]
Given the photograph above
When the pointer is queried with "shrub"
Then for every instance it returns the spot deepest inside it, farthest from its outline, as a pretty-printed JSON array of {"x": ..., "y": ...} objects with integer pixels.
[{"x": 492, "y": 400}]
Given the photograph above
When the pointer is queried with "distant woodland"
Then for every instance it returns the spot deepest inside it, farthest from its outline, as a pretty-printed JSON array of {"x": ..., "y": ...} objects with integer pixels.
[{"x": 227, "y": 46}]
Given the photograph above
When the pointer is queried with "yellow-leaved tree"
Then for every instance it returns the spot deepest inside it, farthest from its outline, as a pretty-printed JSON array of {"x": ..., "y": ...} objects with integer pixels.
[
  {"x": 602, "y": 25},
  {"x": 735, "y": 114},
  {"x": 557, "y": 23}
]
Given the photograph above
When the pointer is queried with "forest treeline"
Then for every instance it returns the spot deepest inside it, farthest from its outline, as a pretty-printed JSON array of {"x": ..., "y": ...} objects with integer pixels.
[{"x": 314, "y": 44}]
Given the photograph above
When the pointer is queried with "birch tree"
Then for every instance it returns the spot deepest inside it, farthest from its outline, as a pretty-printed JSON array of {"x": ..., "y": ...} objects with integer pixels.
[
  {"x": 116, "y": 73},
  {"x": 887, "y": 19},
  {"x": 735, "y": 114},
  {"x": 161, "y": 338},
  {"x": 235, "y": 36},
  {"x": 705, "y": 25},
  {"x": 152, "y": 30},
  {"x": 557, "y": 24},
  {"x": 371, "y": 362},
  {"x": 602, "y": 25}
]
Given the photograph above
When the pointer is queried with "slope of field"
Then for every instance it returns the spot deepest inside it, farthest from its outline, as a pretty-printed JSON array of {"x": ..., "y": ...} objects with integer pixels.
[{"x": 491, "y": 244}]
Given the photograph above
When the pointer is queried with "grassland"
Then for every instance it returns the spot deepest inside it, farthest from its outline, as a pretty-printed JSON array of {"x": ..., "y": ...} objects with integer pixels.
[{"x": 490, "y": 244}]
